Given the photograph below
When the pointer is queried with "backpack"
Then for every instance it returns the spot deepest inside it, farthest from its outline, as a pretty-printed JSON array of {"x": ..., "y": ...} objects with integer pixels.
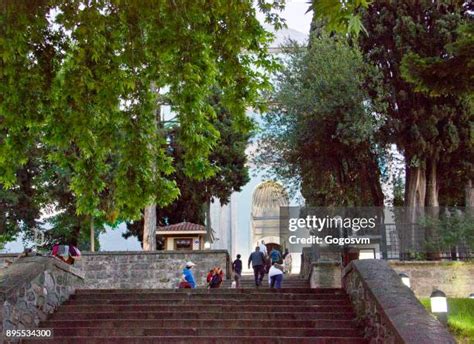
[{"x": 276, "y": 256}]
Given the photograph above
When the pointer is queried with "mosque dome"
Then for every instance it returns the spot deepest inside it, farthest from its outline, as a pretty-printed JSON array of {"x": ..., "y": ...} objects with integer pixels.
[{"x": 269, "y": 195}]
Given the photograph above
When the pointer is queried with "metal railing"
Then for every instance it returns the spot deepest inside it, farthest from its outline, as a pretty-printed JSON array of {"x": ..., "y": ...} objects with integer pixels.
[{"x": 411, "y": 241}]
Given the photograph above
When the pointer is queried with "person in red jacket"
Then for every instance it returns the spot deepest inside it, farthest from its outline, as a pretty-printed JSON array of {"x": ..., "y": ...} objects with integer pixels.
[{"x": 216, "y": 278}]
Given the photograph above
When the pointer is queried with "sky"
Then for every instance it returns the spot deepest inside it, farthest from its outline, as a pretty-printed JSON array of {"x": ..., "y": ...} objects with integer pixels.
[
  {"x": 296, "y": 19},
  {"x": 296, "y": 16}
]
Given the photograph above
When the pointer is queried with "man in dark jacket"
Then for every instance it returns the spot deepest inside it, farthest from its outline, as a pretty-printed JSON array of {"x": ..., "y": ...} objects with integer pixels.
[{"x": 258, "y": 262}]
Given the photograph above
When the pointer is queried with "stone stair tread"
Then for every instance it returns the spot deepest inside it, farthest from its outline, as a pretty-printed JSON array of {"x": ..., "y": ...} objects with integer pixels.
[
  {"x": 208, "y": 315},
  {"x": 206, "y": 331},
  {"x": 253, "y": 290},
  {"x": 297, "y": 331},
  {"x": 205, "y": 340},
  {"x": 262, "y": 296},
  {"x": 127, "y": 291},
  {"x": 75, "y": 308},
  {"x": 209, "y": 302},
  {"x": 178, "y": 323}
]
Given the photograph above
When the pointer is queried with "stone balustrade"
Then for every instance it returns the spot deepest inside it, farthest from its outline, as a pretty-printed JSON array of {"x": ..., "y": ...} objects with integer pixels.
[
  {"x": 33, "y": 287},
  {"x": 386, "y": 309}
]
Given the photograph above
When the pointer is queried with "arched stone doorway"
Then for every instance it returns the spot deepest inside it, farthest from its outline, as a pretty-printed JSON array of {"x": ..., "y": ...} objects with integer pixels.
[{"x": 267, "y": 199}]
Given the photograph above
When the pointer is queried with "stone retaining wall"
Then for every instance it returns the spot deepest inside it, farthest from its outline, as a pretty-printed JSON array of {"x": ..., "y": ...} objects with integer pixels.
[
  {"x": 455, "y": 279},
  {"x": 33, "y": 287},
  {"x": 389, "y": 311},
  {"x": 160, "y": 269}
]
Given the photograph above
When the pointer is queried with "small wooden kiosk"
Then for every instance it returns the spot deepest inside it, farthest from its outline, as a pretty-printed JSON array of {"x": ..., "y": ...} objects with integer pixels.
[{"x": 184, "y": 236}]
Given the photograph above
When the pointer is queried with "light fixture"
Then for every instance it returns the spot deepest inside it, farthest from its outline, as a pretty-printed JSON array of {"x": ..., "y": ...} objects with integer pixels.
[
  {"x": 439, "y": 306},
  {"x": 368, "y": 253},
  {"x": 207, "y": 245},
  {"x": 405, "y": 279}
]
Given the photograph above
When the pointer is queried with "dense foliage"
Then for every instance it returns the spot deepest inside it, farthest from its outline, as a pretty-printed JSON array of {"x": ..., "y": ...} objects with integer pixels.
[
  {"x": 424, "y": 50},
  {"x": 229, "y": 159},
  {"x": 78, "y": 98},
  {"x": 320, "y": 132},
  {"x": 428, "y": 130},
  {"x": 452, "y": 73}
]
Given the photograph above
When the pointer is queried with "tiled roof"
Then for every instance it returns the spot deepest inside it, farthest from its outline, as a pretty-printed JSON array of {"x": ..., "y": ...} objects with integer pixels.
[{"x": 182, "y": 227}]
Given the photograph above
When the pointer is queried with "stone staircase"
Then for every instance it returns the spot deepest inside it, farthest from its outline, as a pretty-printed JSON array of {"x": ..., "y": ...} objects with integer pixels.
[{"x": 294, "y": 314}]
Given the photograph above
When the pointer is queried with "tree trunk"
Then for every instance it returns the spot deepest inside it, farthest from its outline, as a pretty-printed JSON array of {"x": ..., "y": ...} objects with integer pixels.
[
  {"x": 149, "y": 228},
  {"x": 208, "y": 236},
  {"x": 92, "y": 235},
  {"x": 432, "y": 186},
  {"x": 415, "y": 194},
  {"x": 373, "y": 179},
  {"x": 469, "y": 194},
  {"x": 415, "y": 190},
  {"x": 149, "y": 220},
  {"x": 431, "y": 234}
]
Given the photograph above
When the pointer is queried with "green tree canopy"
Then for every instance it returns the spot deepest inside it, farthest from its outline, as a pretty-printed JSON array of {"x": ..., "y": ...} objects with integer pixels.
[
  {"x": 229, "y": 159},
  {"x": 426, "y": 129},
  {"x": 79, "y": 83},
  {"x": 340, "y": 16},
  {"x": 320, "y": 132},
  {"x": 451, "y": 73}
]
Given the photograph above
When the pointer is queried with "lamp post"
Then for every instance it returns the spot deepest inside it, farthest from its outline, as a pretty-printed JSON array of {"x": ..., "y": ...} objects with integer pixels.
[
  {"x": 439, "y": 306},
  {"x": 405, "y": 279}
]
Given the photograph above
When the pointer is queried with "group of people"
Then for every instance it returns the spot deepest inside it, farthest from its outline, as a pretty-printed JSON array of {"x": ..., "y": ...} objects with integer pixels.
[
  {"x": 67, "y": 253},
  {"x": 214, "y": 278},
  {"x": 273, "y": 263}
]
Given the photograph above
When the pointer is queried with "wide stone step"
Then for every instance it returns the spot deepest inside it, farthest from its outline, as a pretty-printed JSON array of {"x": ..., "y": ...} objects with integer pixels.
[
  {"x": 265, "y": 279},
  {"x": 277, "y": 308},
  {"x": 305, "y": 290},
  {"x": 264, "y": 286},
  {"x": 199, "y": 314},
  {"x": 204, "y": 332},
  {"x": 209, "y": 301},
  {"x": 209, "y": 296},
  {"x": 198, "y": 323},
  {"x": 201, "y": 340}
]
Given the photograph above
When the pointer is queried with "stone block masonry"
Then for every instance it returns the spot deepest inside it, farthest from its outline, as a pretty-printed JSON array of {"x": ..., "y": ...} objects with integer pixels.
[
  {"x": 389, "y": 311},
  {"x": 325, "y": 275},
  {"x": 456, "y": 279},
  {"x": 145, "y": 270},
  {"x": 33, "y": 287}
]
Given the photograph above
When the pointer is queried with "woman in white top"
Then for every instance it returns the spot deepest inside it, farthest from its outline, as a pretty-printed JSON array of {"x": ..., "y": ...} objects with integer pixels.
[{"x": 275, "y": 276}]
